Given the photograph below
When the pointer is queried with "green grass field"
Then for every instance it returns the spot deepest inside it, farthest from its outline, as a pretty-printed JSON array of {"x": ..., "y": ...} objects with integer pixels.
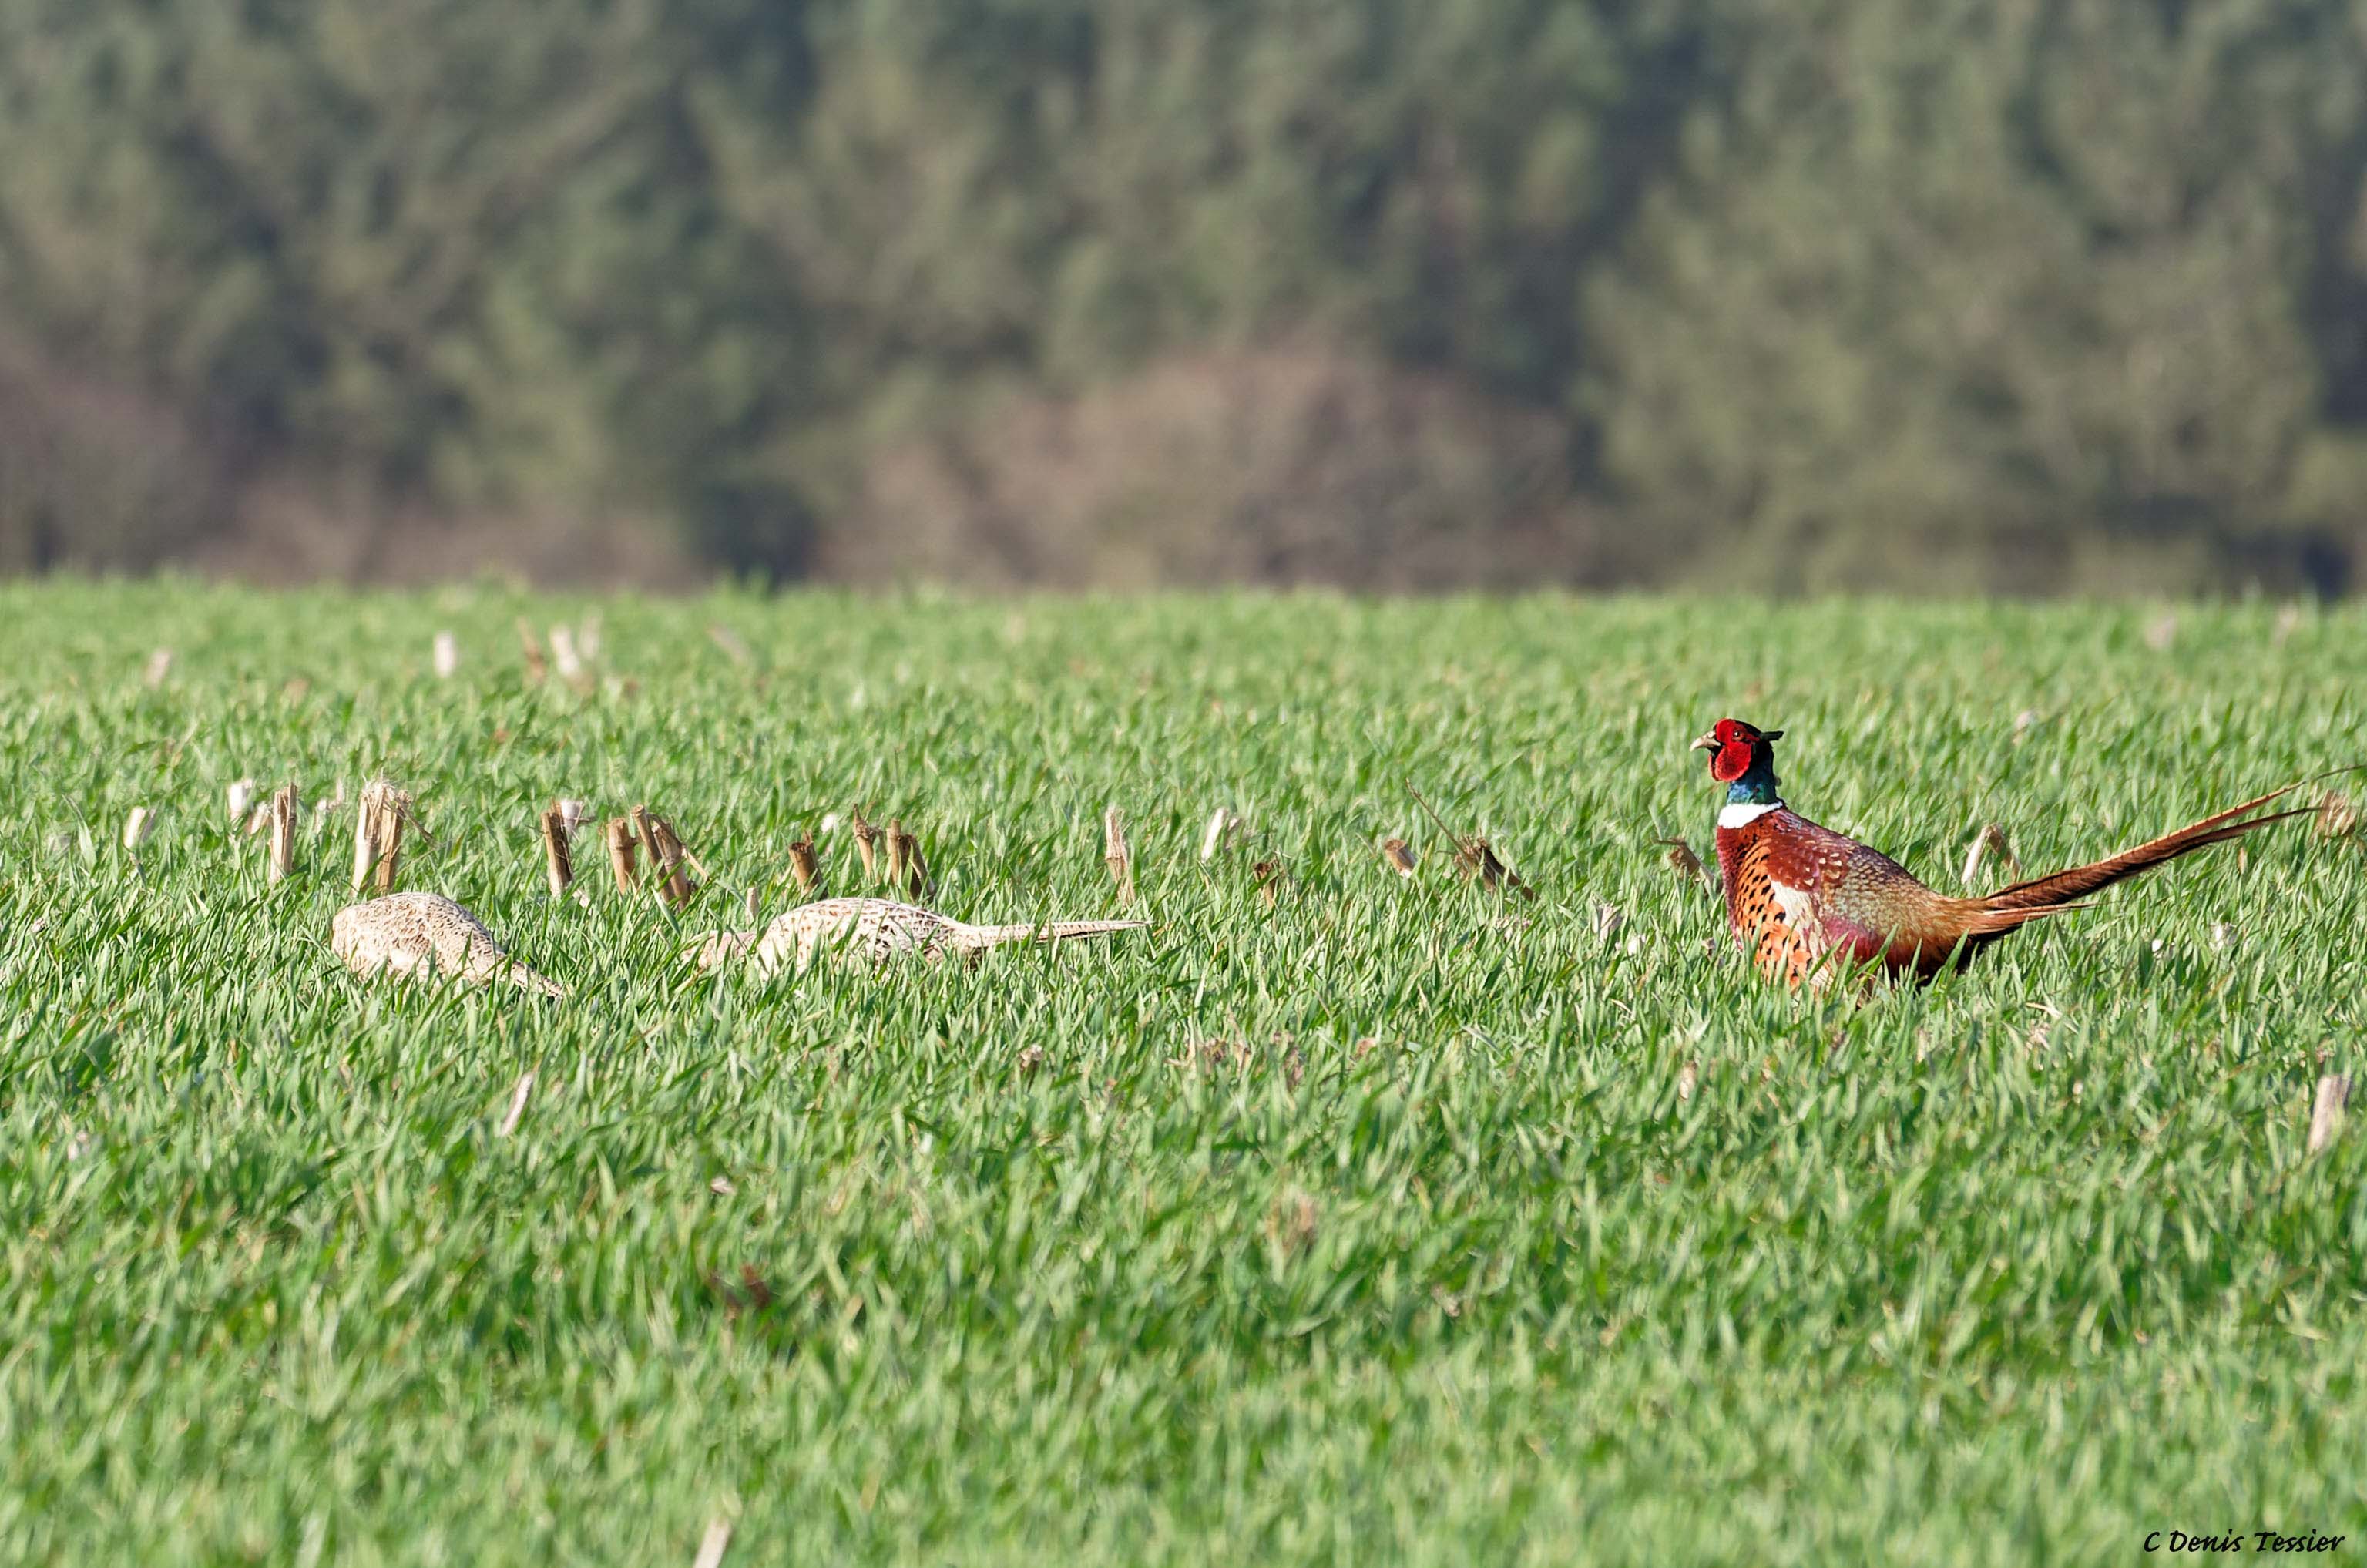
[{"x": 1484, "y": 1237}]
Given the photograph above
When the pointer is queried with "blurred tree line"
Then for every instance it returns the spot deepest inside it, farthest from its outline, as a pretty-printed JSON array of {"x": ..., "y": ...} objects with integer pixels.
[{"x": 1940, "y": 294}]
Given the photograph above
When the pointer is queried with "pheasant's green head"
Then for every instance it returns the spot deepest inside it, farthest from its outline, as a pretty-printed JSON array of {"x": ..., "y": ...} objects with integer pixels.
[{"x": 1742, "y": 757}]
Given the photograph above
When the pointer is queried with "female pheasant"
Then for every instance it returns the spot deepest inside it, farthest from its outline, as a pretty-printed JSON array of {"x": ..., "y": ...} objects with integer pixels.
[
  {"x": 424, "y": 935},
  {"x": 1800, "y": 897},
  {"x": 882, "y": 929}
]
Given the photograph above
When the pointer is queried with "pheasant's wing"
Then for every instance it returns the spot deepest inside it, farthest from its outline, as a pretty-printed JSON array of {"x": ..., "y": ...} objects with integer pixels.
[
  {"x": 464, "y": 949},
  {"x": 400, "y": 943},
  {"x": 1852, "y": 896}
]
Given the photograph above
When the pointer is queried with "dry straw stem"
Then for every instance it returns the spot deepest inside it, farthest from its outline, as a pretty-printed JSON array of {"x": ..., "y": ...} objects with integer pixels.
[
  {"x": 1682, "y": 859},
  {"x": 563, "y": 655},
  {"x": 241, "y": 800},
  {"x": 897, "y": 838},
  {"x": 378, "y": 834},
  {"x": 803, "y": 866},
  {"x": 537, "y": 670},
  {"x": 916, "y": 869},
  {"x": 556, "y": 862},
  {"x": 137, "y": 827},
  {"x": 1476, "y": 858},
  {"x": 1224, "y": 827},
  {"x": 448, "y": 655},
  {"x": 283, "y": 833},
  {"x": 365, "y": 842},
  {"x": 1399, "y": 854},
  {"x": 621, "y": 853},
  {"x": 160, "y": 667},
  {"x": 1990, "y": 840},
  {"x": 518, "y": 1105},
  {"x": 1269, "y": 879},
  {"x": 2326, "y": 1112},
  {"x": 866, "y": 844},
  {"x": 2336, "y": 815},
  {"x": 733, "y": 648},
  {"x": 393, "y": 811},
  {"x": 1116, "y": 855},
  {"x": 645, "y": 827},
  {"x": 666, "y": 855},
  {"x": 713, "y": 1545}
]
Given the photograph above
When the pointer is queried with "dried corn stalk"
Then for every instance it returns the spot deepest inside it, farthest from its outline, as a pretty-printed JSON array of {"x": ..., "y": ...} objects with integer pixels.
[
  {"x": 1990, "y": 840},
  {"x": 536, "y": 670},
  {"x": 366, "y": 842},
  {"x": 283, "y": 833},
  {"x": 378, "y": 834},
  {"x": 1476, "y": 858},
  {"x": 1682, "y": 860},
  {"x": 866, "y": 844},
  {"x": 2326, "y": 1112},
  {"x": 557, "y": 864},
  {"x": 666, "y": 855},
  {"x": 563, "y": 655},
  {"x": 1116, "y": 855},
  {"x": 916, "y": 869},
  {"x": 733, "y": 648},
  {"x": 2337, "y": 816},
  {"x": 1224, "y": 828},
  {"x": 803, "y": 866},
  {"x": 622, "y": 853}
]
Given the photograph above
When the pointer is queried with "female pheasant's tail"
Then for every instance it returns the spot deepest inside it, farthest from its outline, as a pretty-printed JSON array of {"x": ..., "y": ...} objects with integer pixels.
[
  {"x": 978, "y": 937},
  {"x": 2010, "y": 907}
]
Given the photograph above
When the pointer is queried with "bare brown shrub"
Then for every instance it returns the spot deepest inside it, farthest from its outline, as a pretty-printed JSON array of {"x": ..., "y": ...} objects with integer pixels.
[{"x": 1282, "y": 466}]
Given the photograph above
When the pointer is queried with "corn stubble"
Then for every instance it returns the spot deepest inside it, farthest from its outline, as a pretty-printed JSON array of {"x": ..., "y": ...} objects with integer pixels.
[{"x": 1522, "y": 1228}]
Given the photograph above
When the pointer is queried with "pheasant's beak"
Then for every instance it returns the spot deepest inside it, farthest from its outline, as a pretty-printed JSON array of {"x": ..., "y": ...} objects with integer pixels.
[{"x": 1707, "y": 743}]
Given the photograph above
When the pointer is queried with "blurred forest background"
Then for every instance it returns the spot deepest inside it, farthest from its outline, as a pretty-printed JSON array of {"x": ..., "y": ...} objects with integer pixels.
[{"x": 1945, "y": 295}]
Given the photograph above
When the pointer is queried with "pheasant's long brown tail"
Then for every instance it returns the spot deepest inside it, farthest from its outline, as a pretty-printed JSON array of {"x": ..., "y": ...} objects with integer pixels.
[
  {"x": 1048, "y": 931},
  {"x": 2010, "y": 907}
]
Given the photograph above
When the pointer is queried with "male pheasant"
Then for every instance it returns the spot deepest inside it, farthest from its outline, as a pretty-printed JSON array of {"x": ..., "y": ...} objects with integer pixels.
[
  {"x": 1801, "y": 897},
  {"x": 882, "y": 929},
  {"x": 424, "y": 935}
]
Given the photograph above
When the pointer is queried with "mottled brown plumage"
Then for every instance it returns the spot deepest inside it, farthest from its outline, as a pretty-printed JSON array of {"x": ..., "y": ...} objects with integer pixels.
[
  {"x": 881, "y": 929},
  {"x": 424, "y": 935}
]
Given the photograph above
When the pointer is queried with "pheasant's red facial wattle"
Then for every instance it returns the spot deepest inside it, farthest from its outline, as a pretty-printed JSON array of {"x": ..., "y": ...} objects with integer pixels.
[{"x": 1734, "y": 747}]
